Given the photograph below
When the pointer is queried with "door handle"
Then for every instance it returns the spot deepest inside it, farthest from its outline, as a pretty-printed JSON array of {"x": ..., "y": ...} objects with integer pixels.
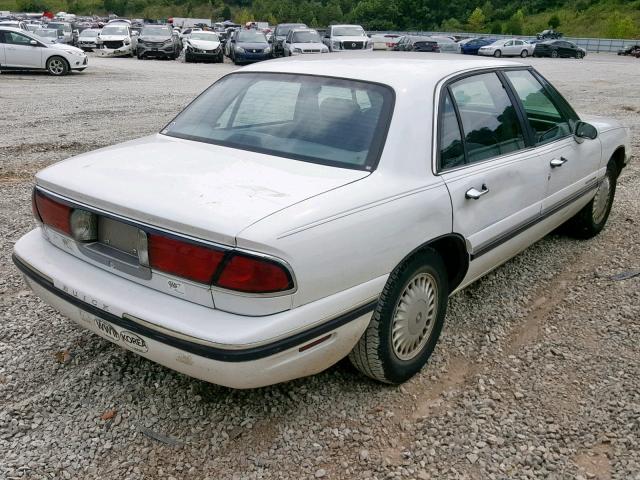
[
  {"x": 558, "y": 162},
  {"x": 475, "y": 194}
]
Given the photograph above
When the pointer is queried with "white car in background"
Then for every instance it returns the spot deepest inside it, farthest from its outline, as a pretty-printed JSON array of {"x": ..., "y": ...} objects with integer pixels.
[
  {"x": 303, "y": 41},
  {"x": 22, "y": 50},
  {"x": 201, "y": 45},
  {"x": 511, "y": 47},
  {"x": 289, "y": 216},
  {"x": 116, "y": 39},
  {"x": 346, "y": 37}
]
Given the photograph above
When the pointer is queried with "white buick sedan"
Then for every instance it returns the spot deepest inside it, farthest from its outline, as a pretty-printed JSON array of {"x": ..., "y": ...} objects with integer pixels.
[{"x": 300, "y": 211}]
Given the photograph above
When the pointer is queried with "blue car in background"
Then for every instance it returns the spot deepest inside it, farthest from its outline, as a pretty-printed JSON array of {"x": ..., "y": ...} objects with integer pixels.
[
  {"x": 249, "y": 46},
  {"x": 472, "y": 46}
]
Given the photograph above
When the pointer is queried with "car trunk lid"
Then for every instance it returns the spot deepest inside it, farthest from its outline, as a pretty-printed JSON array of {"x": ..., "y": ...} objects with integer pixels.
[{"x": 202, "y": 190}]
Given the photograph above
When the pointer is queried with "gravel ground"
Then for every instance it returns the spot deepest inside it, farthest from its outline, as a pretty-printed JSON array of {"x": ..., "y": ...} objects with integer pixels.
[{"x": 537, "y": 374}]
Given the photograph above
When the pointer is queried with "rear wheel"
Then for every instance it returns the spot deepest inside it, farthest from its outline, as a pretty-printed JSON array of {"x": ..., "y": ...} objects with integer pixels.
[
  {"x": 57, "y": 66},
  {"x": 524, "y": 53},
  {"x": 590, "y": 221},
  {"x": 407, "y": 321},
  {"x": 497, "y": 54}
]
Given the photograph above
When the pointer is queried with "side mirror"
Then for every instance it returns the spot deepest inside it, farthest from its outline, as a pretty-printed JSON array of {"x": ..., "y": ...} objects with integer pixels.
[
  {"x": 586, "y": 130},
  {"x": 33, "y": 43}
]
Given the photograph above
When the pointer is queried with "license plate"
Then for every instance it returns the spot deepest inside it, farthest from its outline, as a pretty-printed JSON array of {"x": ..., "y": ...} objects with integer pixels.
[{"x": 118, "y": 235}]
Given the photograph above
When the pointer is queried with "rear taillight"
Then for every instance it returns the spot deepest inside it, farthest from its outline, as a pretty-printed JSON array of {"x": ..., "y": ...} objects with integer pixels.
[
  {"x": 225, "y": 269},
  {"x": 184, "y": 259},
  {"x": 254, "y": 275},
  {"x": 52, "y": 213}
]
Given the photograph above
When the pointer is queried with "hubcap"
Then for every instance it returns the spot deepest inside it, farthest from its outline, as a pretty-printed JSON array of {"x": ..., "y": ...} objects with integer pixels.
[
  {"x": 56, "y": 66},
  {"x": 414, "y": 316},
  {"x": 601, "y": 200}
]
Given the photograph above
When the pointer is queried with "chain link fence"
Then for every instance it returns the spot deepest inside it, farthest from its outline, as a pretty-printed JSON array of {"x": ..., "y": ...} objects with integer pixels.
[{"x": 589, "y": 44}]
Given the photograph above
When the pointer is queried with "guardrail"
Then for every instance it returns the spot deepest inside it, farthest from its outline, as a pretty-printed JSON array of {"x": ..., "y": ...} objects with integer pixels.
[{"x": 589, "y": 44}]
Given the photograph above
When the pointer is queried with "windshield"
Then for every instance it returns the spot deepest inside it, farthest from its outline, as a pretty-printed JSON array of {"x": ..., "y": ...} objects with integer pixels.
[
  {"x": 157, "y": 31},
  {"x": 306, "y": 37},
  {"x": 310, "y": 118},
  {"x": 209, "y": 37},
  {"x": 89, "y": 33},
  {"x": 115, "y": 31},
  {"x": 251, "y": 36},
  {"x": 47, "y": 33},
  {"x": 348, "y": 32},
  {"x": 59, "y": 26}
]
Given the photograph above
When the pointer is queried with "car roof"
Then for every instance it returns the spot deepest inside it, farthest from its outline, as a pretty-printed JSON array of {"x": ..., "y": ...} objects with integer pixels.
[
  {"x": 397, "y": 69},
  {"x": 11, "y": 29}
]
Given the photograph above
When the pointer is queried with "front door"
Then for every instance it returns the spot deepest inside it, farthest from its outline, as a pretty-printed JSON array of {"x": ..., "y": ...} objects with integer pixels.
[
  {"x": 571, "y": 166},
  {"x": 20, "y": 53},
  {"x": 496, "y": 183}
]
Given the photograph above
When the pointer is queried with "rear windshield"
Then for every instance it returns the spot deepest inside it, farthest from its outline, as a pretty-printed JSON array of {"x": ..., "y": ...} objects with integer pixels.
[{"x": 310, "y": 118}]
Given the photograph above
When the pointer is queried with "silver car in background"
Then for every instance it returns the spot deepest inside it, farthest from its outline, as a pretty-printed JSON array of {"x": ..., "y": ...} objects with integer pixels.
[
  {"x": 446, "y": 45},
  {"x": 510, "y": 47},
  {"x": 87, "y": 39},
  {"x": 303, "y": 41}
]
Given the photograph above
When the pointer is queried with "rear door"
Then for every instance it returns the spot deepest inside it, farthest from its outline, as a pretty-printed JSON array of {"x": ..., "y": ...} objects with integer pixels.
[
  {"x": 570, "y": 166},
  {"x": 495, "y": 180}
]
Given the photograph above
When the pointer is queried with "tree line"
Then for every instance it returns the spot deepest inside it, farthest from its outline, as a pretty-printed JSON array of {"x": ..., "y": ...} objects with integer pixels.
[{"x": 490, "y": 16}]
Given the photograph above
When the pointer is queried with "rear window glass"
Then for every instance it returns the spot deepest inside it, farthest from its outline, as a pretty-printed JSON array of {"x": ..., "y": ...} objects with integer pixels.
[{"x": 311, "y": 118}]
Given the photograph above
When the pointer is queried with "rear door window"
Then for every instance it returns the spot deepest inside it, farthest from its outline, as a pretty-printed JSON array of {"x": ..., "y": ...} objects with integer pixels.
[{"x": 489, "y": 121}]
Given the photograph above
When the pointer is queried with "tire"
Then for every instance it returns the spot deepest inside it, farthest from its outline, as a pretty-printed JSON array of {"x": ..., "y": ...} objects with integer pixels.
[
  {"x": 375, "y": 354},
  {"x": 590, "y": 221},
  {"x": 139, "y": 55},
  {"x": 220, "y": 58},
  {"x": 524, "y": 53},
  {"x": 579, "y": 55},
  {"x": 57, "y": 66},
  {"x": 497, "y": 54},
  {"x": 554, "y": 54}
]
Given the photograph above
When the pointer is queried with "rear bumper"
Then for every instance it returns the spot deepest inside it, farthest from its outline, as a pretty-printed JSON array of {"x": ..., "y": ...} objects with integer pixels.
[
  {"x": 118, "y": 52},
  {"x": 135, "y": 318}
]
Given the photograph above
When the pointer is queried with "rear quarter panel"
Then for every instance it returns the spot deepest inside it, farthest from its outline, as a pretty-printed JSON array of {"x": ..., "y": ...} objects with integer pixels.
[{"x": 353, "y": 234}]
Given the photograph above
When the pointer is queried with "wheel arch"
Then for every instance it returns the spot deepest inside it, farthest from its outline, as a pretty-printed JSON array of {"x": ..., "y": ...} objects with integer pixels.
[
  {"x": 618, "y": 158},
  {"x": 452, "y": 247}
]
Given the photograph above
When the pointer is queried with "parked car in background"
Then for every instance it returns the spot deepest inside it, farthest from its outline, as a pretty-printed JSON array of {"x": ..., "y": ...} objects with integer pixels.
[
  {"x": 409, "y": 43},
  {"x": 280, "y": 35},
  {"x": 22, "y": 50},
  {"x": 49, "y": 35},
  {"x": 249, "y": 46},
  {"x": 116, "y": 40},
  {"x": 14, "y": 24},
  {"x": 346, "y": 37},
  {"x": 558, "y": 48},
  {"x": 299, "y": 212},
  {"x": 446, "y": 44},
  {"x": 203, "y": 46},
  {"x": 629, "y": 50},
  {"x": 65, "y": 31},
  {"x": 549, "y": 35},
  {"x": 472, "y": 46},
  {"x": 385, "y": 41},
  {"x": 510, "y": 47},
  {"x": 159, "y": 41},
  {"x": 303, "y": 41},
  {"x": 87, "y": 39}
]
